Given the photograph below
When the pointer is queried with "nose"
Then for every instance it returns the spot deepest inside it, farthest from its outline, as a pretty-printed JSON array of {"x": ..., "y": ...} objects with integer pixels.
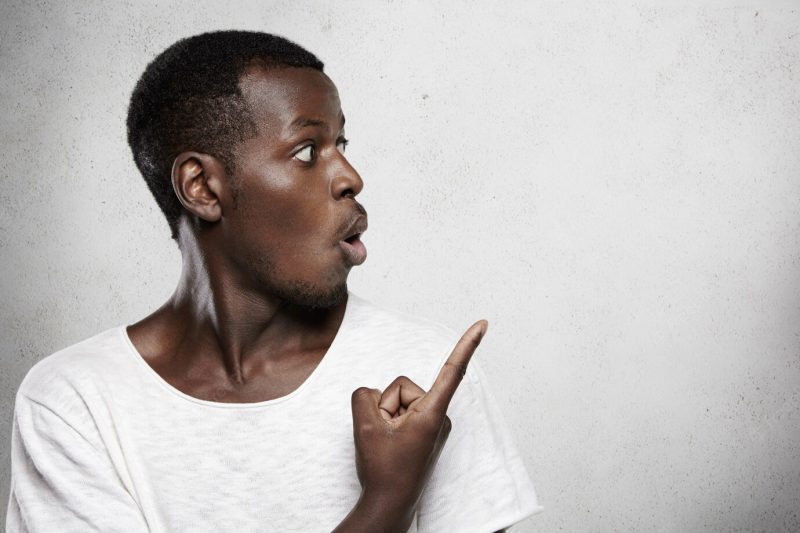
[{"x": 346, "y": 181}]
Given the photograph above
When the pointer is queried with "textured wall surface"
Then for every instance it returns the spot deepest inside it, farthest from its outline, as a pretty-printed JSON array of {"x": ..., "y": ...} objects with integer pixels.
[{"x": 615, "y": 186}]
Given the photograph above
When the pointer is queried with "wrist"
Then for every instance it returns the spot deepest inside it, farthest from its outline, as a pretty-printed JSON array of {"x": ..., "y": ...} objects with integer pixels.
[{"x": 378, "y": 511}]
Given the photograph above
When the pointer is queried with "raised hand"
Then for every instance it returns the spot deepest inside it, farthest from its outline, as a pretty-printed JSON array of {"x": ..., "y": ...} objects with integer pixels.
[{"x": 398, "y": 437}]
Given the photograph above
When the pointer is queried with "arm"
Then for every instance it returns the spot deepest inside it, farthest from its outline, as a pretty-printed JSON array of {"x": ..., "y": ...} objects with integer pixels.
[
  {"x": 399, "y": 435},
  {"x": 60, "y": 481}
]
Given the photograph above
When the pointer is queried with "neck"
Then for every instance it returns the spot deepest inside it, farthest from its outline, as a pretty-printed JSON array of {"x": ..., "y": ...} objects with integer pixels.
[{"x": 214, "y": 313}]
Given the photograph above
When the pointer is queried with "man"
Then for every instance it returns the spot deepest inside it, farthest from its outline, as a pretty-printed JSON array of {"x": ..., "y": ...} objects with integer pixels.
[{"x": 231, "y": 408}]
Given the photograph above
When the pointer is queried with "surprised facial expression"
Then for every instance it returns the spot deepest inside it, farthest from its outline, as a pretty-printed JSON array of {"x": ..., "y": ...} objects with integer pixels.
[{"x": 294, "y": 227}]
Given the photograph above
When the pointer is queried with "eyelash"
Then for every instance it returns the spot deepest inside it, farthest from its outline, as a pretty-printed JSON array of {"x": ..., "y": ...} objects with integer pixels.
[{"x": 339, "y": 142}]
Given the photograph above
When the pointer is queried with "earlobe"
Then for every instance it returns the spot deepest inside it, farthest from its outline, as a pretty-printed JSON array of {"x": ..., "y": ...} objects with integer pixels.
[{"x": 197, "y": 182}]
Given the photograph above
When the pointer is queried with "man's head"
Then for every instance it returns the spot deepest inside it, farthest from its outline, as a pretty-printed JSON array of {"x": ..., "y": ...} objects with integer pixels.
[
  {"x": 240, "y": 137},
  {"x": 188, "y": 98}
]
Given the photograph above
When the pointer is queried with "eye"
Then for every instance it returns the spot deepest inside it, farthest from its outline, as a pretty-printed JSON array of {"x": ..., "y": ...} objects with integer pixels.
[
  {"x": 306, "y": 154},
  {"x": 341, "y": 144}
]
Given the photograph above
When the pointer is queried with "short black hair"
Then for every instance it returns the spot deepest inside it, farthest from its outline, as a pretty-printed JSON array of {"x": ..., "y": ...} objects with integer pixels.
[{"x": 188, "y": 98}]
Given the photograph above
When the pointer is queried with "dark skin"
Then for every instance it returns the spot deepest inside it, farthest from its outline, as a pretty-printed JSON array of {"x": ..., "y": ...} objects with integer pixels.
[{"x": 257, "y": 247}]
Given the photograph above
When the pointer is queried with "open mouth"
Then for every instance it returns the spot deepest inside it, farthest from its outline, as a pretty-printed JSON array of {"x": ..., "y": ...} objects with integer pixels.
[
  {"x": 354, "y": 250},
  {"x": 352, "y": 238}
]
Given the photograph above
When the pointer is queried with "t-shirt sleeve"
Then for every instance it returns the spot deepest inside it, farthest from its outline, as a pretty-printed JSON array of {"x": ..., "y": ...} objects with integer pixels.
[
  {"x": 60, "y": 481},
  {"x": 480, "y": 483}
]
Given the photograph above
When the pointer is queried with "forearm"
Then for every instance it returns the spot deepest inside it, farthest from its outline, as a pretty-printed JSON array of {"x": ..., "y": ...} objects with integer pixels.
[{"x": 377, "y": 514}]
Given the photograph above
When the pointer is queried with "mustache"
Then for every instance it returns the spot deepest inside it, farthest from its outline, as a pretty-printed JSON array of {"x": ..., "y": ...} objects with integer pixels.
[{"x": 359, "y": 212}]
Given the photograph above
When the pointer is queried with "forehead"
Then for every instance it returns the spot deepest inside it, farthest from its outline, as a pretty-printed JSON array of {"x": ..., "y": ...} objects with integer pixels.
[{"x": 279, "y": 97}]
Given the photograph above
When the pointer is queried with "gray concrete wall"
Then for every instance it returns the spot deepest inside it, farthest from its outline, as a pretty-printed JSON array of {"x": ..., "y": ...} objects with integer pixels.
[{"x": 614, "y": 185}]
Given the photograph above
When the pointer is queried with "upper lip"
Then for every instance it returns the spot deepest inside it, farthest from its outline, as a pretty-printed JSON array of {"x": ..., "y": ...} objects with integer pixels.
[{"x": 356, "y": 227}]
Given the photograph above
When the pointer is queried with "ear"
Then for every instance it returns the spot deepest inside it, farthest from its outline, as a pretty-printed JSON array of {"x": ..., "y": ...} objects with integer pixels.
[{"x": 199, "y": 183}]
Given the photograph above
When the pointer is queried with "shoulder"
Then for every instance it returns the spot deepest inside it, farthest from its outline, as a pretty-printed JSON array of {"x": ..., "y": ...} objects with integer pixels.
[
  {"x": 68, "y": 375},
  {"x": 392, "y": 326},
  {"x": 397, "y": 343}
]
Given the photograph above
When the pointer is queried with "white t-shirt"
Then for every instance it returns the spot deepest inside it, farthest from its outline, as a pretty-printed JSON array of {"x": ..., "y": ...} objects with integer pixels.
[{"x": 102, "y": 443}]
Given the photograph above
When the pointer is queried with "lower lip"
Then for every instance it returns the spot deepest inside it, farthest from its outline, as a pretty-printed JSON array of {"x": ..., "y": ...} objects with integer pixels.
[{"x": 355, "y": 251}]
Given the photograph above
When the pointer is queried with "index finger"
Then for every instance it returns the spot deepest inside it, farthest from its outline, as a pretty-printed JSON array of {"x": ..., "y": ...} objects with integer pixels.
[{"x": 451, "y": 374}]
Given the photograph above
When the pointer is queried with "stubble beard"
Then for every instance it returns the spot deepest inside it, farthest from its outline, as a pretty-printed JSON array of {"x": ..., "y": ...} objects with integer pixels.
[
  {"x": 307, "y": 295},
  {"x": 298, "y": 293}
]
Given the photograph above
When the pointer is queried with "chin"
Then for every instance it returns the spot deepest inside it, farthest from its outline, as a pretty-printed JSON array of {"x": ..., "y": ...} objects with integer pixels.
[
  {"x": 320, "y": 290},
  {"x": 307, "y": 295}
]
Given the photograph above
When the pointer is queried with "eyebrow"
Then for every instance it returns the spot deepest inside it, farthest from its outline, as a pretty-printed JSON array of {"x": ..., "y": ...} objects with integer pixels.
[{"x": 301, "y": 123}]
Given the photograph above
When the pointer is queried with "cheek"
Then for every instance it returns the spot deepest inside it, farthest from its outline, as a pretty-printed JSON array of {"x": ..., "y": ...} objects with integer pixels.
[
  {"x": 284, "y": 211},
  {"x": 264, "y": 205},
  {"x": 290, "y": 226}
]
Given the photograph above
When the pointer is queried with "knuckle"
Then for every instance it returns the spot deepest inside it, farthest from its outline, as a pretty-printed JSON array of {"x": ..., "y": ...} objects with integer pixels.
[
  {"x": 364, "y": 430},
  {"x": 403, "y": 381},
  {"x": 361, "y": 392}
]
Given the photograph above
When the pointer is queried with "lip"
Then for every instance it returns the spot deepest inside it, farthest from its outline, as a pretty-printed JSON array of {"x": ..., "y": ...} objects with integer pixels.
[{"x": 354, "y": 250}]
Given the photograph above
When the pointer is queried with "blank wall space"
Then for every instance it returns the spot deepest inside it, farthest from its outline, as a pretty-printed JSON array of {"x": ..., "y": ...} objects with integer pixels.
[{"x": 615, "y": 186}]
